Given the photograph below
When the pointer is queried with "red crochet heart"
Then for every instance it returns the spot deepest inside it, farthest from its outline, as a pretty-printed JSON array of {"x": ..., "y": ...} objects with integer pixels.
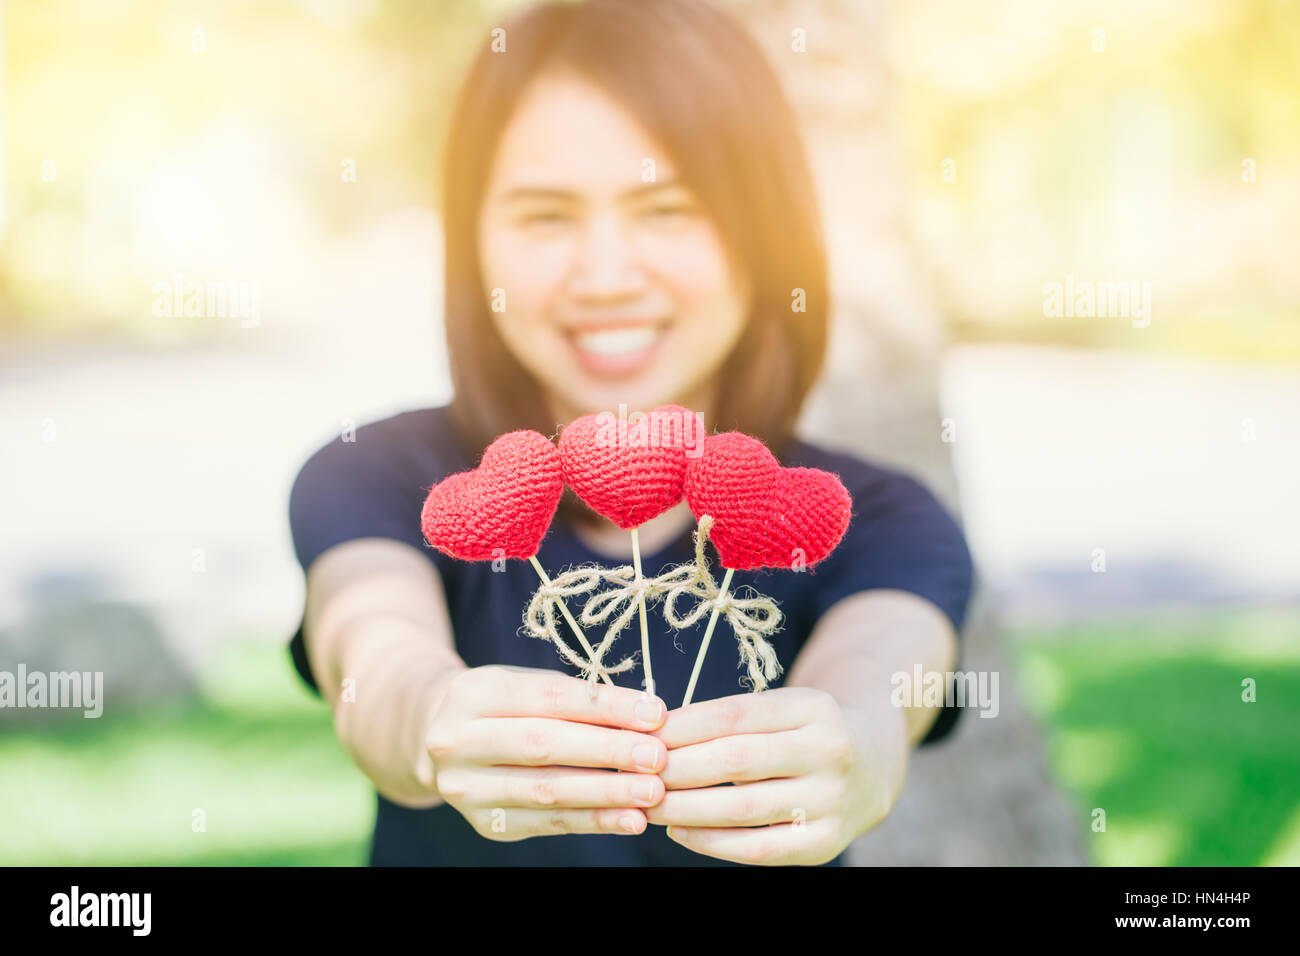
[
  {"x": 630, "y": 471},
  {"x": 503, "y": 508},
  {"x": 765, "y": 516}
]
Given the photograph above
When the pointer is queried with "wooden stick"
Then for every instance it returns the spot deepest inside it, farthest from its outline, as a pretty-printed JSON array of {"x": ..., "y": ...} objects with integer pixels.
[
  {"x": 564, "y": 609},
  {"x": 708, "y": 635},
  {"x": 640, "y": 606}
]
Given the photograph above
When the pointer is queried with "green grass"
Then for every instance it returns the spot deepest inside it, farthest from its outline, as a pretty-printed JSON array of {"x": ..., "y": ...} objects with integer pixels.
[
  {"x": 256, "y": 755},
  {"x": 1145, "y": 720}
]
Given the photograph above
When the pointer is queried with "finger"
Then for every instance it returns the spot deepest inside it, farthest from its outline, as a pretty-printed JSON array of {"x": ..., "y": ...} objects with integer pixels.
[
  {"x": 543, "y": 742},
  {"x": 509, "y": 824},
  {"x": 786, "y": 708},
  {"x": 535, "y": 692},
  {"x": 784, "y": 844},
  {"x": 563, "y": 788},
  {"x": 790, "y": 753},
  {"x": 798, "y": 799}
]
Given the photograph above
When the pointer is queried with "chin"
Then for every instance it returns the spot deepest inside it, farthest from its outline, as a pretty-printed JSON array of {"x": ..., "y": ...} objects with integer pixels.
[{"x": 638, "y": 394}]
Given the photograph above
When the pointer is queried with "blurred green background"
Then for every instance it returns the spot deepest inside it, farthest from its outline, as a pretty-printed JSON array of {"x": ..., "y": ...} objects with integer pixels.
[{"x": 1140, "y": 717}]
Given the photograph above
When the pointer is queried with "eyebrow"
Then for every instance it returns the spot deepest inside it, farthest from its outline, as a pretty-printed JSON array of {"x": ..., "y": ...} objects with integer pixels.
[{"x": 550, "y": 192}]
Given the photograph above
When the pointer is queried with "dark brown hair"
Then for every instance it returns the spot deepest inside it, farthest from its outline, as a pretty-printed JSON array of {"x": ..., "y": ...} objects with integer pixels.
[{"x": 700, "y": 87}]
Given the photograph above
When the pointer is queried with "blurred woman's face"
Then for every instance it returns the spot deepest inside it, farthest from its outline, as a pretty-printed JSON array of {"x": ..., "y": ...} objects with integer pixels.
[{"x": 607, "y": 287}]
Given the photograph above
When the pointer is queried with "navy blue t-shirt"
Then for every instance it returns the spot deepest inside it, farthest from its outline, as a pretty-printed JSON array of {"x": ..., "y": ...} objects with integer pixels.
[{"x": 900, "y": 537}]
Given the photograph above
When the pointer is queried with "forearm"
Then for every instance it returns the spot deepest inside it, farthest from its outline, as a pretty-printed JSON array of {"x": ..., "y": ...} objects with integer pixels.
[
  {"x": 859, "y": 647},
  {"x": 391, "y": 677},
  {"x": 865, "y": 641},
  {"x": 381, "y": 651},
  {"x": 859, "y": 680}
]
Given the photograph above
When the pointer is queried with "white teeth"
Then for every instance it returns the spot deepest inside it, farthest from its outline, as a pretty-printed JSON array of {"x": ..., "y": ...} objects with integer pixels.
[{"x": 616, "y": 341}]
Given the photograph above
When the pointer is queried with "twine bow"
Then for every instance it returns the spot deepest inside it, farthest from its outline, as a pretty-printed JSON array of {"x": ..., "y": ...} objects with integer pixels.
[
  {"x": 540, "y": 622},
  {"x": 752, "y": 619}
]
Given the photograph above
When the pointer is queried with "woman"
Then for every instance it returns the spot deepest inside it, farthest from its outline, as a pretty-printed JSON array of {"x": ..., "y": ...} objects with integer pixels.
[{"x": 630, "y": 221}]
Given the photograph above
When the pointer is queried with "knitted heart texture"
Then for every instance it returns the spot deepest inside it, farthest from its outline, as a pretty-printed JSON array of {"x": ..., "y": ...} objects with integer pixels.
[
  {"x": 630, "y": 471},
  {"x": 764, "y": 515},
  {"x": 503, "y": 508}
]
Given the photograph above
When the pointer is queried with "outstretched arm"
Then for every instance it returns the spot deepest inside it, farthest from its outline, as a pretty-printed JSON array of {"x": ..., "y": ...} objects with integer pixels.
[
  {"x": 815, "y": 763},
  {"x": 518, "y": 751},
  {"x": 377, "y": 619}
]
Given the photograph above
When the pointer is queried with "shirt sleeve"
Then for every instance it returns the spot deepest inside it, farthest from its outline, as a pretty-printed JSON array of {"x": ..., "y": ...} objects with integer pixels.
[
  {"x": 367, "y": 488},
  {"x": 346, "y": 491},
  {"x": 901, "y": 538}
]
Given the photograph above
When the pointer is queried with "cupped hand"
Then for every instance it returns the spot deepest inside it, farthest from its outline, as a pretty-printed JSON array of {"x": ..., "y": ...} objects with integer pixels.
[
  {"x": 523, "y": 752},
  {"x": 786, "y": 776}
]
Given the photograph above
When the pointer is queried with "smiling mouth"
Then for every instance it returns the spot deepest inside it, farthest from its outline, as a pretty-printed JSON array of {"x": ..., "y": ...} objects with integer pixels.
[{"x": 617, "y": 350}]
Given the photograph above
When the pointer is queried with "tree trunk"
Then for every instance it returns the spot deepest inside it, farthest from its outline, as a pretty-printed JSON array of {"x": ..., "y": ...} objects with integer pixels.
[{"x": 983, "y": 796}]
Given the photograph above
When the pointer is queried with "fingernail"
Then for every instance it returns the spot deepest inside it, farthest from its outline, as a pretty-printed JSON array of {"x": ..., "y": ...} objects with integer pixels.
[
  {"x": 645, "y": 756},
  {"x": 648, "y": 710},
  {"x": 644, "y": 791},
  {"x": 630, "y": 822}
]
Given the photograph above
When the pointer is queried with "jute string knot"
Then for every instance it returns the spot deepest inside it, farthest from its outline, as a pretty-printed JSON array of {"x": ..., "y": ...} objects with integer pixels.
[
  {"x": 540, "y": 621},
  {"x": 752, "y": 618}
]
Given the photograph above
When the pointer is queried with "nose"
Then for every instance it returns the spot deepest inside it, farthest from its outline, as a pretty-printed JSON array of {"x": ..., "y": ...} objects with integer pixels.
[{"x": 606, "y": 266}]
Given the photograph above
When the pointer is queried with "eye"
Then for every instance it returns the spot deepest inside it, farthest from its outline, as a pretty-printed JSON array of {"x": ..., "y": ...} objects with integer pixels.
[
  {"x": 668, "y": 211},
  {"x": 545, "y": 218}
]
